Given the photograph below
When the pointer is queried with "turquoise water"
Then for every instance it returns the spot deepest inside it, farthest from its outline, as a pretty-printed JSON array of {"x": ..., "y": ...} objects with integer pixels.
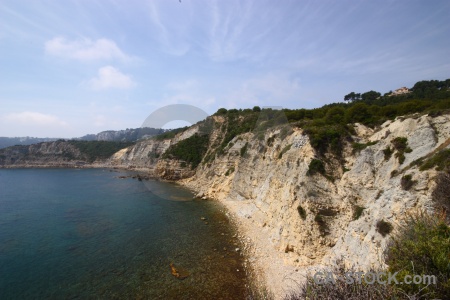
[{"x": 85, "y": 234}]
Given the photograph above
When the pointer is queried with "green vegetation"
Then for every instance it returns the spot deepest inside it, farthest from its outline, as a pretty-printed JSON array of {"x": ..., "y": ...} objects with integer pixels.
[
  {"x": 441, "y": 193},
  {"x": 301, "y": 212},
  {"x": 441, "y": 160},
  {"x": 357, "y": 211},
  {"x": 316, "y": 166},
  {"x": 319, "y": 219},
  {"x": 285, "y": 149},
  {"x": 94, "y": 150},
  {"x": 422, "y": 247},
  {"x": 169, "y": 134},
  {"x": 401, "y": 145},
  {"x": 229, "y": 171},
  {"x": 384, "y": 228},
  {"x": 387, "y": 153},
  {"x": 406, "y": 182},
  {"x": 357, "y": 147},
  {"x": 244, "y": 149},
  {"x": 190, "y": 150}
]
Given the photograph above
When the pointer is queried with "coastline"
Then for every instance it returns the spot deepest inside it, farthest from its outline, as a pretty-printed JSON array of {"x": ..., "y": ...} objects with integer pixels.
[{"x": 269, "y": 270}]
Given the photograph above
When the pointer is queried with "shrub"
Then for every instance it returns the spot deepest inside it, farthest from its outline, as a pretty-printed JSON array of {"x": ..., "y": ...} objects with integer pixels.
[
  {"x": 94, "y": 150},
  {"x": 441, "y": 193},
  {"x": 400, "y": 156},
  {"x": 441, "y": 160},
  {"x": 357, "y": 211},
  {"x": 301, "y": 212},
  {"x": 406, "y": 182},
  {"x": 316, "y": 166},
  {"x": 357, "y": 147},
  {"x": 400, "y": 143},
  {"x": 387, "y": 153},
  {"x": 285, "y": 149},
  {"x": 244, "y": 149},
  {"x": 340, "y": 289},
  {"x": 319, "y": 219},
  {"x": 384, "y": 228},
  {"x": 190, "y": 150},
  {"x": 229, "y": 171},
  {"x": 422, "y": 247}
]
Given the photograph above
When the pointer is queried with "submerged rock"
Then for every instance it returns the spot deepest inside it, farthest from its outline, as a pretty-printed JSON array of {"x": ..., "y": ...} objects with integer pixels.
[{"x": 178, "y": 272}]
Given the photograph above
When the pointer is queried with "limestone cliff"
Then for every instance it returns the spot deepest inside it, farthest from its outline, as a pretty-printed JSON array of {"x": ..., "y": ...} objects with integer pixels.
[
  {"x": 312, "y": 216},
  {"x": 313, "y": 219},
  {"x": 309, "y": 218}
]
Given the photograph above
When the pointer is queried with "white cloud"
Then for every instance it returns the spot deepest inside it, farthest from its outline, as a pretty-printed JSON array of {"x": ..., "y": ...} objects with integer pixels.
[
  {"x": 109, "y": 77},
  {"x": 85, "y": 49},
  {"x": 34, "y": 118}
]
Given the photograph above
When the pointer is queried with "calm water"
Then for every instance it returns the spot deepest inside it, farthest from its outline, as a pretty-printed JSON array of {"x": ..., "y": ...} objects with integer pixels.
[{"x": 83, "y": 234}]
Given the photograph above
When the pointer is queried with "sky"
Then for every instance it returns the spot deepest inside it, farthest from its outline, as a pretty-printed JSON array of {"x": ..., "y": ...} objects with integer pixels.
[{"x": 68, "y": 68}]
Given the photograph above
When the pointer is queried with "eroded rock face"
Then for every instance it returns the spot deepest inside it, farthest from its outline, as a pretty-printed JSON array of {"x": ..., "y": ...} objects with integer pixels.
[
  {"x": 47, "y": 154},
  {"x": 312, "y": 215}
]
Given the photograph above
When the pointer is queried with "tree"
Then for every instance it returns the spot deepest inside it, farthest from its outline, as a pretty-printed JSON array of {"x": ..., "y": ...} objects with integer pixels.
[
  {"x": 352, "y": 97},
  {"x": 335, "y": 115},
  {"x": 370, "y": 96},
  {"x": 256, "y": 109},
  {"x": 221, "y": 111}
]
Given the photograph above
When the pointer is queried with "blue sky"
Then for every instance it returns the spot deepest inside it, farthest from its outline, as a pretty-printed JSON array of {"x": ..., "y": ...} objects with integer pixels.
[{"x": 68, "y": 68}]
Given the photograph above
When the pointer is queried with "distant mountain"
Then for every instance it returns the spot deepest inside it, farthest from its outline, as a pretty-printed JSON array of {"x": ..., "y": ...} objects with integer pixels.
[
  {"x": 127, "y": 135},
  {"x": 12, "y": 141}
]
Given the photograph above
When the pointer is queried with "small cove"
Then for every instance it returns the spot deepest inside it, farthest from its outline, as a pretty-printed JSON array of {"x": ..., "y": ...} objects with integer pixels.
[{"x": 80, "y": 234}]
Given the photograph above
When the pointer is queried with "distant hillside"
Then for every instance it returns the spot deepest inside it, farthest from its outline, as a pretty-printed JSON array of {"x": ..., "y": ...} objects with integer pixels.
[
  {"x": 12, "y": 141},
  {"x": 60, "y": 153},
  {"x": 127, "y": 135}
]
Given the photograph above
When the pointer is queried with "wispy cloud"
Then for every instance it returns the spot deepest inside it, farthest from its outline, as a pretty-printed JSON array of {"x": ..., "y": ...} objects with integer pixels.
[
  {"x": 32, "y": 118},
  {"x": 85, "y": 49},
  {"x": 110, "y": 78},
  {"x": 169, "y": 31}
]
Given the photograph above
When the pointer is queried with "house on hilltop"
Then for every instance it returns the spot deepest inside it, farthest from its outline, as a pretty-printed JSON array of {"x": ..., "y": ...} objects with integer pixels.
[{"x": 400, "y": 91}]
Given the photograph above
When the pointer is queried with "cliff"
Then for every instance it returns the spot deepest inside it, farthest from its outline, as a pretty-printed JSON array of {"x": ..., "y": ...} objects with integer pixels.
[
  {"x": 60, "y": 153},
  {"x": 301, "y": 206},
  {"x": 298, "y": 216}
]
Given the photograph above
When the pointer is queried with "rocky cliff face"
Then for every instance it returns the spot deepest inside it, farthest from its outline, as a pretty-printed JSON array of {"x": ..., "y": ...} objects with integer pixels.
[
  {"x": 146, "y": 156},
  {"x": 48, "y": 154},
  {"x": 314, "y": 219},
  {"x": 308, "y": 218}
]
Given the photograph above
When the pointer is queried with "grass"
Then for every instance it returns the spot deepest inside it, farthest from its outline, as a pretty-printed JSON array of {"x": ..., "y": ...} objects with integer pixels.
[
  {"x": 422, "y": 246},
  {"x": 441, "y": 160},
  {"x": 441, "y": 193}
]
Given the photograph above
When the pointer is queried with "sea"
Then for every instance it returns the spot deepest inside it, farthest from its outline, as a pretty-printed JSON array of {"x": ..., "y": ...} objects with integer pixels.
[{"x": 89, "y": 234}]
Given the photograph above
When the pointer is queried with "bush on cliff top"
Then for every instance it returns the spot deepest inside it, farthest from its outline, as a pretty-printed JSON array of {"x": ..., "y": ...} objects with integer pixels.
[{"x": 190, "y": 150}]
